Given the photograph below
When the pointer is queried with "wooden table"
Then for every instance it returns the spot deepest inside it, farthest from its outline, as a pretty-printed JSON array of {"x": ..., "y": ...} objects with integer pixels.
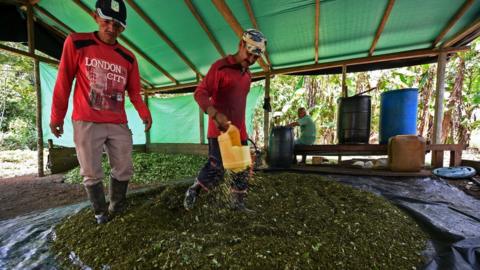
[{"x": 380, "y": 149}]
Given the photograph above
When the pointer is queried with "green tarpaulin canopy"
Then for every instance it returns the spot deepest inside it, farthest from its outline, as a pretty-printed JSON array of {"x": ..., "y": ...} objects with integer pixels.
[
  {"x": 168, "y": 34},
  {"x": 175, "y": 119}
]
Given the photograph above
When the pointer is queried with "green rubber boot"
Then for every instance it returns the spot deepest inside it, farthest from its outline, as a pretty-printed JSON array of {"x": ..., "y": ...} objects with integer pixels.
[
  {"x": 118, "y": 196},
  {"x": 96, "y": 195}
]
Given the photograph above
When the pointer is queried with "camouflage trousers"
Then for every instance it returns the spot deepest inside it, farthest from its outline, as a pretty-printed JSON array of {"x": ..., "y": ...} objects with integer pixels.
[{"x": 213, "y": 172}]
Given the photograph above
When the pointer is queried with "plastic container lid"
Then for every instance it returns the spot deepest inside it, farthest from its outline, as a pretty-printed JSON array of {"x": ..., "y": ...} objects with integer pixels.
[{"x": 455, "y": 172}]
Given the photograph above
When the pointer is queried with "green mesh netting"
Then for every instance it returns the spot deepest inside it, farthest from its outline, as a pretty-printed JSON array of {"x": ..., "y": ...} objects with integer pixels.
[{"x": 175, "y": 119}]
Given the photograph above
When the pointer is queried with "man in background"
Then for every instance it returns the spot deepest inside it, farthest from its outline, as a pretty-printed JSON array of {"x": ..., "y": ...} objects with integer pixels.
[{"x": 308, "y": 131}]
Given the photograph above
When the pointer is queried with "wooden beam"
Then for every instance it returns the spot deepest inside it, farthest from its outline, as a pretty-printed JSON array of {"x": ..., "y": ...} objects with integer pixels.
[
  {"x": 440, "y": 92},
  {"x": 381, "y": 149},
  {"x": 162, "y": 35},
  {"x": 317, "y": 28},
  {"x": 60, "y": 34},
  {"x": 17, "y": 2},
  {"x": 255, "y": 25},
  {"x": 202, "y": 23},
  {"x": 31, "y": 55},
  {"x": 235, "y": 25},
  {"x": 466, "y": 5},
  {"x": 149, "y": 84},
  {"x": 247, "y": 5},
  {"x": 143, "y": 86},
  {"x": 344, "y": 81},
  {"x": 147, "y": 133},
  {"x": 36, "y": 68},
  {"x": 386, "y": 14},
  {"x": 366, "y": 60},
  {"x": 131, "y": 45},
  {"x": 147, "y": 58},
  {"x": 180, "y": 148},
  {"x": 351, "y": 62},
  {"x": 53, "y": 18},
  {"x": 172, "y": 87},
  {"x": 266, "y": 115},
  {"x": 201, "y": 122},
  {"x": 462, "y": 34}
]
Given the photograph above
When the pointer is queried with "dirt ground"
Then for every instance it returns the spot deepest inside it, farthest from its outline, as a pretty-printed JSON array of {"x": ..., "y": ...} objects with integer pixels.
[{"x": 24, "y": 194}]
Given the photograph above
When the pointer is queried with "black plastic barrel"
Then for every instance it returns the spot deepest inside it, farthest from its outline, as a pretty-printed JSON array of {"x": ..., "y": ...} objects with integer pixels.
[
  {"x": 353, "y": 122},
  {"x": 280, "y": 147}
]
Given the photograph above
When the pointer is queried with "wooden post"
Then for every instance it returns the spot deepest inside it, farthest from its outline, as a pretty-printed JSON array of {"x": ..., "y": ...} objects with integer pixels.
[
  {"x": 344, "y": 81},
  {"x": 344, "y": 94},
  {"x": 438, "y": 118},
  {"x": 36, "y": 67},
  {"x": 202, "y": 125},
  {"x": 147, "y": 133},
  {"x": 266, "y": 114}
]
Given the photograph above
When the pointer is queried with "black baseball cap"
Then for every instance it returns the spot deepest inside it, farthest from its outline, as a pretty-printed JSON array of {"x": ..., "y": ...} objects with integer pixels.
[{"x": 112, "y": 10}]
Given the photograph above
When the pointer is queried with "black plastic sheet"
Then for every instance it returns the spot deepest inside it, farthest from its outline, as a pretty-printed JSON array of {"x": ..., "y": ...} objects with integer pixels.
[
  {"x": 24, "y": 240},
  {"x": 451, "y": 217}
]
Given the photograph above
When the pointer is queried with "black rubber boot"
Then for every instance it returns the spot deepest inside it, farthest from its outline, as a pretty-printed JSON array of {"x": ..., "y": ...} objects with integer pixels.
[
  {"x": 191, "y": 195},
  {"x": 238, "y": 203},
  {"x": 118, "y": 196},
  {"x": 96, "y": 195}
]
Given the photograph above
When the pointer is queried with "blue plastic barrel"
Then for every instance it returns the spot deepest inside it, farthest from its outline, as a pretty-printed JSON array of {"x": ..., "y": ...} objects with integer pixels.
[{"x": 398, "y": 113}]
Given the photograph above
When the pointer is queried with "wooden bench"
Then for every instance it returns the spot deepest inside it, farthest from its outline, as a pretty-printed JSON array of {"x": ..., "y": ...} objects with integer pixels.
[{"x": 380, "y": 149}]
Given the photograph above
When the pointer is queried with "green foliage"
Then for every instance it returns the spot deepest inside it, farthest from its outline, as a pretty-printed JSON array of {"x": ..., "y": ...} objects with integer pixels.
[
  {"x": 301, "y": 222},
  {"x": 150, "y": 168},
  {"x": 288, "y": 93},
  {"x": 17, "y": 102},
  {"x": 20, "y": 135}
]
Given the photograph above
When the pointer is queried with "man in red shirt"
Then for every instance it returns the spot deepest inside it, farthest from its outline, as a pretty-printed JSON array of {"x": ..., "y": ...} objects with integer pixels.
[
  {"x": 222, "y": 94},
  {"x": 103, "y": 69}
]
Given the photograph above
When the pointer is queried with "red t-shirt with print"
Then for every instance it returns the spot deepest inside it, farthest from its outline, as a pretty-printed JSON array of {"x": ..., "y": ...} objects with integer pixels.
[{"x": 103, "y": 73}]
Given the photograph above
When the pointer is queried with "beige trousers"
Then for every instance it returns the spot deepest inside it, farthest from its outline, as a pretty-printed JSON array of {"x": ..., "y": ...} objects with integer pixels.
[{"x": 90, "y": 141}]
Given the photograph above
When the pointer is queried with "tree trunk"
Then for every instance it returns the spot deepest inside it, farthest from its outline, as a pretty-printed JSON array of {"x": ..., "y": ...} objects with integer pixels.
[
  {"x": 458, "y": 107},
  {"x": 426, "y": 96},
  {"x": 312, "y": 89},
  {"x": 446, "y": 126}
]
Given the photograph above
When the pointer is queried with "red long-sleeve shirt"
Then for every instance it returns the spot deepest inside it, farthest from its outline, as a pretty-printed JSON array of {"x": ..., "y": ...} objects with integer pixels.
[
  {"x": 225, "y": 87},
  {"x": 103, "y": 73}
]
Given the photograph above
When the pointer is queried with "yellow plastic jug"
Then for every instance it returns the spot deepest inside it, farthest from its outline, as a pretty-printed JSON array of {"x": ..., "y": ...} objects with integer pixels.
[{"x": 235, "y": 156}]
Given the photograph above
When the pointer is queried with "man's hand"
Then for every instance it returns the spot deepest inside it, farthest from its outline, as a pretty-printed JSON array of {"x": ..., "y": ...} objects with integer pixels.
[
  {"x": 57, "y": 129},
  {"x": 293, "y": 124},
  {"x": 220, "y": 120},
  {"x": 148, "y": 123}
]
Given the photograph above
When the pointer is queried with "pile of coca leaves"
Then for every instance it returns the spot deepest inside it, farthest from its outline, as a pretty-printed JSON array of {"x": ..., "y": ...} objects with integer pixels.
[{"x": 300, "y": 222}]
